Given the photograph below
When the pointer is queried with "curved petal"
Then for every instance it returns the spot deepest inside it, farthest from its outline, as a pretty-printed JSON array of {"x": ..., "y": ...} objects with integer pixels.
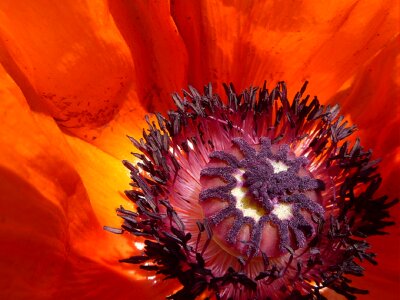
[
  {"x": 41, "y": 259},
  {"x": 53, "y": 242},
  {"x": 68, "y": 58},
  {"x": 34, "y": 241},
  {"x": 160, "y": 68},
  {"x": 247, "y": 42},
  {"x": 104, "y": 178},
  {"x": 369, "y": 98},
  {"x": 112, "y": 139},
  {"x": 383, "y": 281},
  {"x": 156, "y": 47}
]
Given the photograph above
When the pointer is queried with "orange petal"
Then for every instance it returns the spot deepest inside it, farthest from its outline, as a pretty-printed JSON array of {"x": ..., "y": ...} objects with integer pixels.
[
  {"x": 157, "y": 49},
  {"x": 68, "y": 58},
  {"x": 33, "y": 148},
  {"x": 247, "y": 42},
  {"x": 112, "y": 139},
  {"x": 54, "y": 242},
  {"x": 104, "y": 178},
  {"x": 160, "y": 69},
  {"x": 369, "y": 98},
  {"x": 41, "y": 261},
  {"x": 34, "y": 241}
]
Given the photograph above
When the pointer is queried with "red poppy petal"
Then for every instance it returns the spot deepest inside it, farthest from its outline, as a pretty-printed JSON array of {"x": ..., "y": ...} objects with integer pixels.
[
  {"x": 34, "y": 241},
  {"x": 33, "y": 147},
  {"x": 160, "y": 65},
  {"x": 112, "y": 139},
  {"x": 369, "y": 98},
  {"x": 41, "y": 261},
  {"x": 157, "y": 49},
  {"x": 54, "y": 243},
  {"x": 383, "y": 281},
  {"x": 105, "y": 179},
  {"x": 370, "y": 101},
  {"x": 68, "y": 58},
  {"x": 247, "y": 42}
]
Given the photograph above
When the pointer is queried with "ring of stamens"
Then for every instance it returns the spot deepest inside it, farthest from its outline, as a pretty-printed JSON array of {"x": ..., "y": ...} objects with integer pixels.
[{"x": 268, "y": 187}]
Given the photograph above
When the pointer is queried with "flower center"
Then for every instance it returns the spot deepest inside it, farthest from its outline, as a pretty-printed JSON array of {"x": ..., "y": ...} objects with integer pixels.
[
  {"x": 260, "y": 198},
  {"x": 228, "y": 197}
]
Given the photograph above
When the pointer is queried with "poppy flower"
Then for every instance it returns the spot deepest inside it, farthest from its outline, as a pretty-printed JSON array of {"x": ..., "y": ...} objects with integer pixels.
[{"x": 77, "y": 77}]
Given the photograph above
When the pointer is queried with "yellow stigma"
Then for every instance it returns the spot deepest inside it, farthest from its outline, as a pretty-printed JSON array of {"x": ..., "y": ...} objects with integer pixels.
[
  {"x": 244, "y": 202},
  {"x": 283, "y": 211},
  {"x": 278, "y": 166}
]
